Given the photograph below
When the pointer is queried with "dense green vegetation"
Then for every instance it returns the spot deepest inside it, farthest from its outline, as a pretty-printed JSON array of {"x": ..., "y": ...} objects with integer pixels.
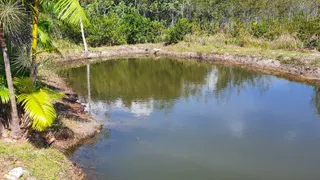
[
  {"x": 293, "y": 24},
  {"x": 24, "y": 28}
]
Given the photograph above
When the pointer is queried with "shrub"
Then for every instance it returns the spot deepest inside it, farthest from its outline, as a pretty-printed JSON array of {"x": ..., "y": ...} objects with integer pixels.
[
  {"x": 179, "y": 31},
  {"x": 309, "y": 33},
  {"x": 140, "y": 29},
  {"x": 106, "y": 30},
  {"x": 260, "y": 29},
  {"x": 35, "y": 102}
]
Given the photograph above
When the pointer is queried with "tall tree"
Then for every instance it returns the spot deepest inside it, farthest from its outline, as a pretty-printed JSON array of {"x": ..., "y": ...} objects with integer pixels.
[
  {"x": 34, "y": 44},
  {"x": 72, "y": 12},
  {"x": 11, "y": 19},
  {"x": 67, "y": 10}
]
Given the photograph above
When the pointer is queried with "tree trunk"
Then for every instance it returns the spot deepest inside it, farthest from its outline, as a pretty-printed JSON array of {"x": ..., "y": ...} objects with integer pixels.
[
  {"x": 15, "y": 127},
  {"x": 84, "y": 38},
  {"x": 35, "y": 60},
  {"x": 29, "y": 31},
  {"x": 172, "y": 19},
  {"x": 89, "y": 88},
  {"x": 1, "y": 129}
]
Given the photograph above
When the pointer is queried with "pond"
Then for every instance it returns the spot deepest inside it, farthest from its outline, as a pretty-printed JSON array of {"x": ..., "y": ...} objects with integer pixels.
[{"x": 170, "y": 119}]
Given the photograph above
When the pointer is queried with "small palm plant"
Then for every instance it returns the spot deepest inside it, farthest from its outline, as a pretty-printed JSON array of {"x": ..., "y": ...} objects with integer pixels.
[{"x": 37, "y": 103}]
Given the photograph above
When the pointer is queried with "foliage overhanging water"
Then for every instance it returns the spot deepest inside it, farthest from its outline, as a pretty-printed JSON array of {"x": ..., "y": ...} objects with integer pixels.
[{"x": 170, "y": 119}]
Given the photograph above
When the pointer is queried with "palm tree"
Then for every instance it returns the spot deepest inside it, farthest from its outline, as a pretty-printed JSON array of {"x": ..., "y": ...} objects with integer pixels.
[
  {"x": 72, "y": 12},
  {"x": 67, "y": 10},
  {"x": 11, "y": 18}
]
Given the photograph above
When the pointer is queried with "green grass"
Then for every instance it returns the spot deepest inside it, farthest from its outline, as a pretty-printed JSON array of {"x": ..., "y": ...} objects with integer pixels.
[
  {"x": 315, "y": 62},
  {"x": 66, "y": 46},
  {"x": 285, "y": 46},
  {"x": 232, "y": 49},
  {"x": 41, "y": 163}
]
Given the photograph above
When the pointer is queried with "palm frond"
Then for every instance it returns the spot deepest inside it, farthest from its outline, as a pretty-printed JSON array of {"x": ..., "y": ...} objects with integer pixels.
[
  {"x": 24, "y": 85},
  {"x": 20, "y": 62},
  {"x": 71, "y": 12},
  {"x": 12, "y": 16},
  {"x": 4, "y": 95},
  {"x": 53, "y": 94},
  {"x": 45, "y": 42},
  {"x": 39, "y": 108},
  {"x": 4, "y": 92}
]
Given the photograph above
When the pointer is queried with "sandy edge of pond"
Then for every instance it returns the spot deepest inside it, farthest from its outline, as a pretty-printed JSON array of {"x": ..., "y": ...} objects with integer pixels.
[{"x": 302, "y": 70}]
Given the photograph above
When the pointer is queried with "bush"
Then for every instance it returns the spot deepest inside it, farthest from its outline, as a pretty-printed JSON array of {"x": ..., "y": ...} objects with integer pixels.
[
  {"x": 116, "y": 24},
  {"x": 309, "y": 33},
  {"x": 106, "y": 30},
  {"x": 178, "y": 32},
  {"x": 140, "y": 29},
  {"x": 260, "y": 29}
]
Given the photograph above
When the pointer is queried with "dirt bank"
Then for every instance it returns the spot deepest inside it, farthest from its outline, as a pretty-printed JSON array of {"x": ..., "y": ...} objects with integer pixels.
[
  {"x": 294, "y": 66},
  {"x": 71, "y": 129},
  {"x": 74, "y": 125}
]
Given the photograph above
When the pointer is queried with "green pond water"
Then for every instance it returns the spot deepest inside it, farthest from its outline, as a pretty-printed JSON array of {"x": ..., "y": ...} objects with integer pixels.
[{"x": 167, "y": 119}]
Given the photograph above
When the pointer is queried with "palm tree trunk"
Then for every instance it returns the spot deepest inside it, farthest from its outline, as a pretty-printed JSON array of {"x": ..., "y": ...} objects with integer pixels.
[
  {"x": 172, "y": 19},
  {"x": 15, "y": 127},
  {"x": 83, "y": 37},
  {"x": 29, "y": 31},
  {"x": 35, "y": 61},
  {"x": 1, "y": 129},
  {"x": 89, "y": 88}
]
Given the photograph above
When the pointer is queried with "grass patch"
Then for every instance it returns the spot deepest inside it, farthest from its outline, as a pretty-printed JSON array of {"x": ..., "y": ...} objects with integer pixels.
[
  {"x": 66, "y": 46},
  {"x": 41, "y": 163},
  {"x": 315, "y": 62},
  {"x": 293, "y": 61},
  {"x": 245, "y": 45}
]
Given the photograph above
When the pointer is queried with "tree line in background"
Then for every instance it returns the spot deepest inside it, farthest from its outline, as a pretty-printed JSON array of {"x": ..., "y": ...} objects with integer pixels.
[{"x": 115, "y": 22}]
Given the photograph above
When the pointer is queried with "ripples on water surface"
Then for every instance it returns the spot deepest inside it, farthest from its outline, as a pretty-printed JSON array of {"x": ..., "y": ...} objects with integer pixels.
[{"x": 179, "y": 120}]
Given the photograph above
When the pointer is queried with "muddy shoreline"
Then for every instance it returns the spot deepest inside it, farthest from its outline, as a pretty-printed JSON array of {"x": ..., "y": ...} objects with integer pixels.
[
  {"x": 71, "y": 115},
  {"x": 77, "y": 127},
  {"x": 302, "y": 72}
]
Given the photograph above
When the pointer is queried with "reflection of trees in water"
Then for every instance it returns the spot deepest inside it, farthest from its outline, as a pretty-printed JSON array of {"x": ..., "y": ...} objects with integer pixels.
[
  {"x": 230, "y": 78},
  {"x": 315, "y": 99},
  {"x": 139, "y": 80},
  {"x": 88, "y": 89},
  {"x": 162, "y": 81}
]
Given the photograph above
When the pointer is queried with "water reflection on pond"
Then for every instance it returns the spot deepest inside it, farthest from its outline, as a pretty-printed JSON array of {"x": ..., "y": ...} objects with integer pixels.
[{"x": 171, "y": 119}]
